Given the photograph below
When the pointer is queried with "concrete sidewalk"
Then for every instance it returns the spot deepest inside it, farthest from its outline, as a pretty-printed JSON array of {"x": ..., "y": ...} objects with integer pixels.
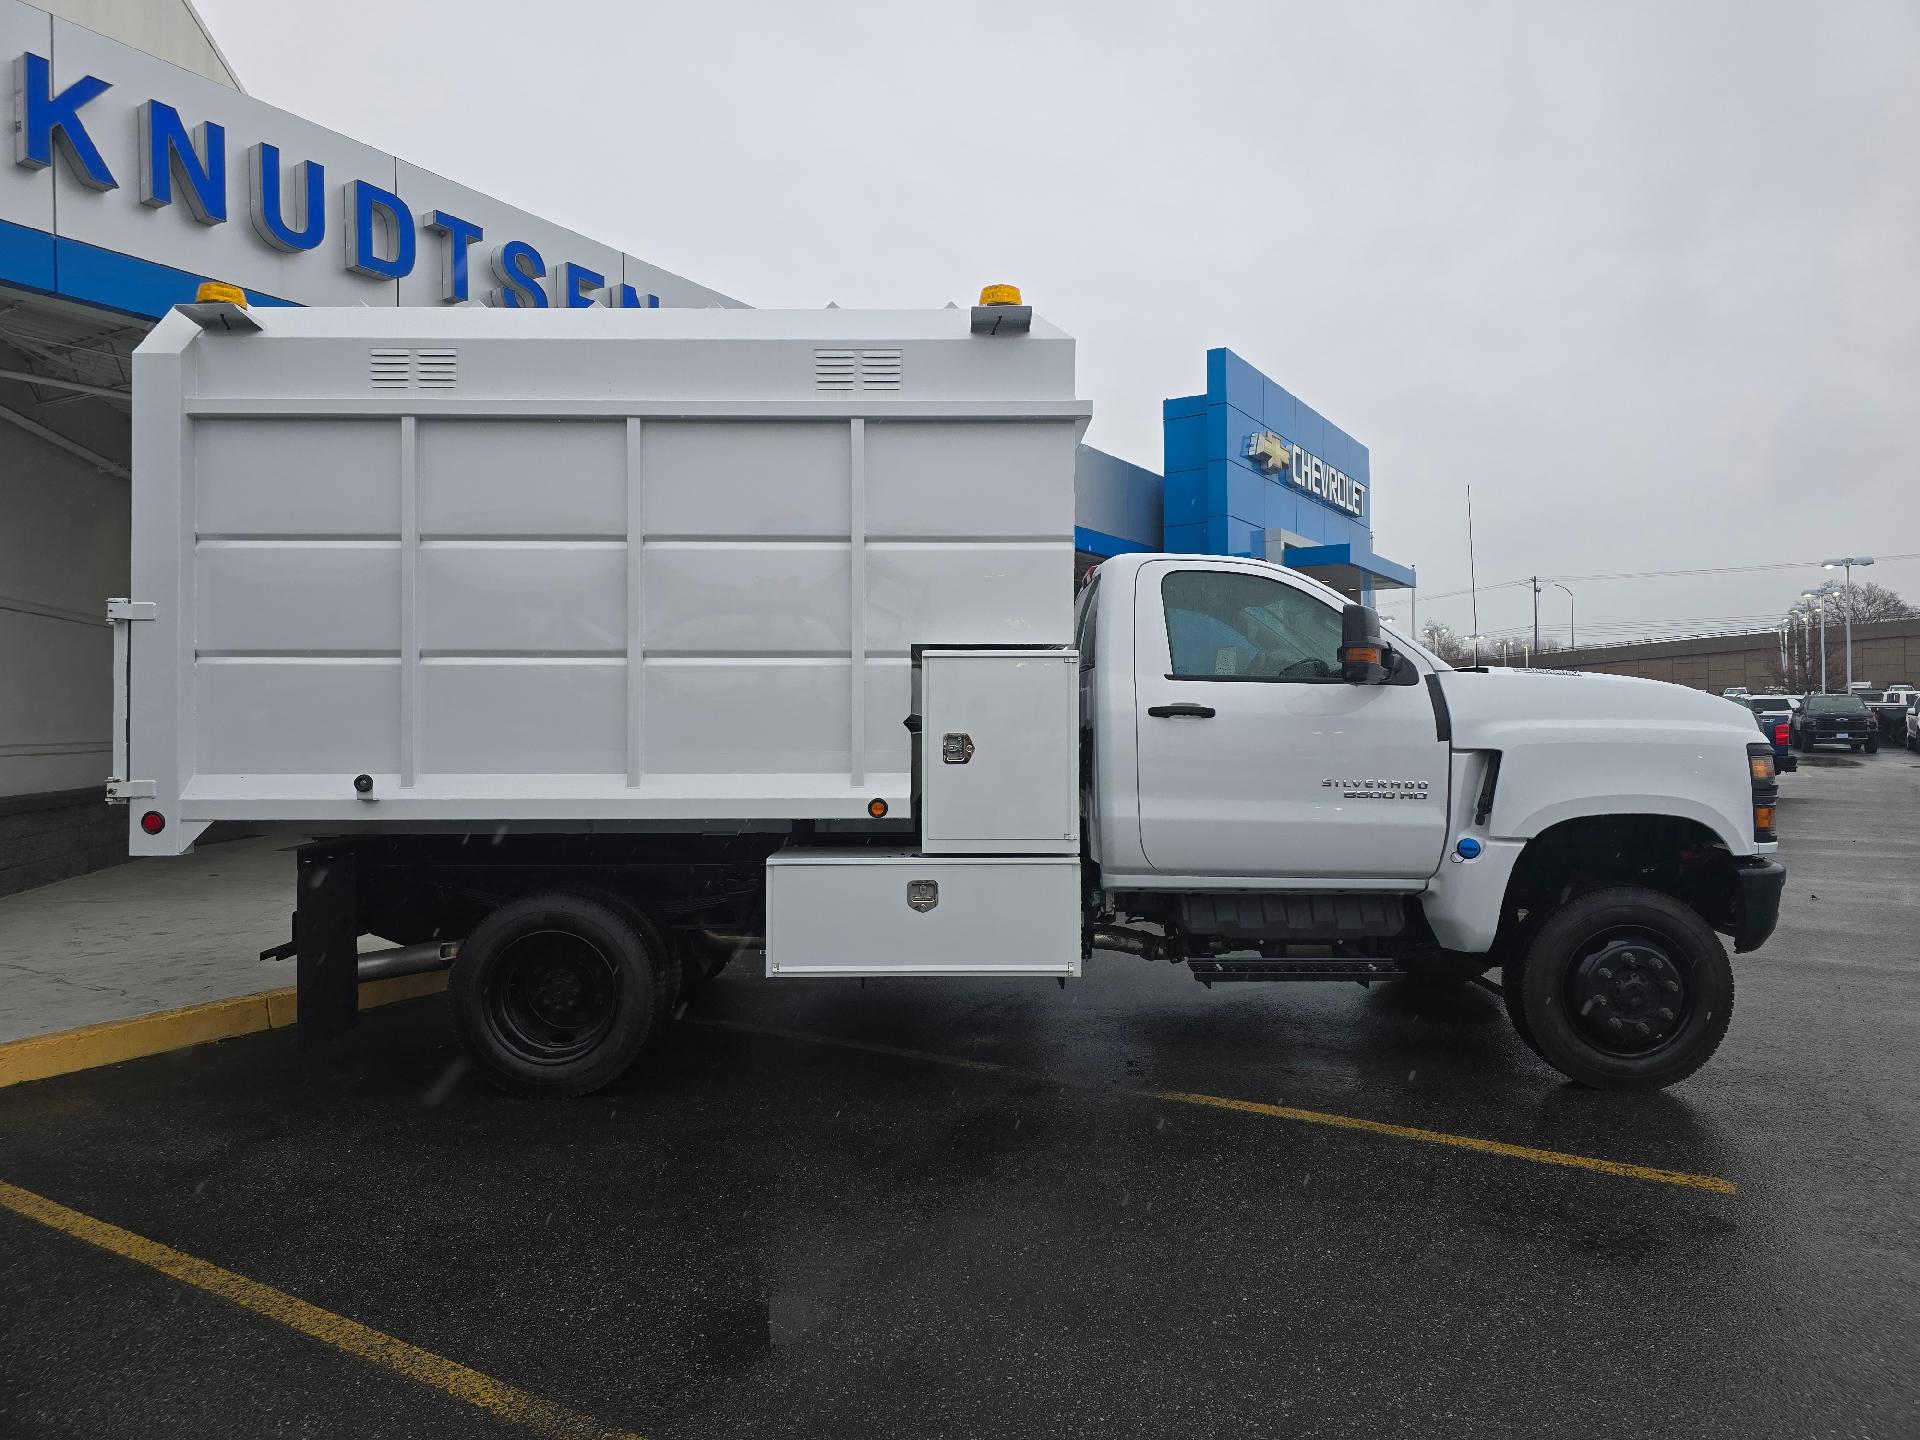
[{"x": 145, "y": 936}]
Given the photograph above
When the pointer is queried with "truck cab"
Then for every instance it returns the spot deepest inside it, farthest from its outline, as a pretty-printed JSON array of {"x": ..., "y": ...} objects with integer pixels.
[{"x": 1254, "y": 792}]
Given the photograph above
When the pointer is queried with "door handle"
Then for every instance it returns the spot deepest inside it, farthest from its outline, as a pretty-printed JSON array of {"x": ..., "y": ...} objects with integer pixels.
[{"x": 1168, "y": 712}]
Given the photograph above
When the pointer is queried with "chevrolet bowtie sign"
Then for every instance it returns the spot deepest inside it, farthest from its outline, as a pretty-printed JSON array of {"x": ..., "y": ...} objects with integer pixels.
[{"x": 1272, "y": 454}]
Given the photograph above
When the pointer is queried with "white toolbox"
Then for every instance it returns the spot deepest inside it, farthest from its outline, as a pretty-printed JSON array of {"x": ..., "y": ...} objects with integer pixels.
[
  {"x": 999, "y": 759},
  {"x": 852, "y": 912}
]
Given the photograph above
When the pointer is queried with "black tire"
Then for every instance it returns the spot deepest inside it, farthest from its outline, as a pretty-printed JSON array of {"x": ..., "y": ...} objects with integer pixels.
[
  {"x": 556, "y": 994},
  {"x": 1873, "y": 745},
  {"x": 1512, "y": 987},
  {"x": 1658, "y": 987}
]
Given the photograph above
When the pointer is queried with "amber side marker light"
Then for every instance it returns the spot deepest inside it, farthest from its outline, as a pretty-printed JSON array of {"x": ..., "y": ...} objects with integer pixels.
[{"x": 877, "y": 809}]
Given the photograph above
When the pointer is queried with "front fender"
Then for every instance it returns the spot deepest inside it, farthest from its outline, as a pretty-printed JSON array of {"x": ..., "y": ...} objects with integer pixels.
[{"x": 1703, "y": 779}]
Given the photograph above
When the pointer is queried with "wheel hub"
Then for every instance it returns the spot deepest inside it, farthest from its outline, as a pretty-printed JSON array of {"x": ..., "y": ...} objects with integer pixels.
[
  {"x": 1626, "y": 994},
  {"x": 557, "y": 994}
]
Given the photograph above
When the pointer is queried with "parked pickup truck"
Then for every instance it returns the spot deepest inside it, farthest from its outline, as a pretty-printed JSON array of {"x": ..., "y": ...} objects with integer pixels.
[
  {"x": 1774, "y": 715},
  {"x": 600, "y": 647},
  {"x": 1835, "y": 720},
  {"x": 1889, "y": 711}
]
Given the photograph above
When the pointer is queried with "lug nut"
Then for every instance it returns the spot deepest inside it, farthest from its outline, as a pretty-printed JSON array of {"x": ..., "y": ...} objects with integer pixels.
[
  {"x": 1673, "y": 987},
  {"x": 1614, "y": 1023},
  {"x": 1604, "y": 974},
  {"x": 1665, "y": 1014},
  {"x": 1641, "y": 1026}
]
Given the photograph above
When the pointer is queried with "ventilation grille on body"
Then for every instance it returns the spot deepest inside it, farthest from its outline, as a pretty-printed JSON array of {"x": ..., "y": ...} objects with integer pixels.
[
  {"x": 413, "y": 369},
  {"x": 842, "y": 370}
]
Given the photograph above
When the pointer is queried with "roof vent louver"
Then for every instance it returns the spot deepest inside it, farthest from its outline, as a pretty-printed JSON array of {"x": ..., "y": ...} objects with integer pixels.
[
  {"x": 833, "y": 369},
  {"x": 879, "y": 369},
  {"x": 436, "y": 369},
  {"x": 843, "y": 370},
  {"x": 387, "y": 369},
  {"x": 396, "y": 369}
]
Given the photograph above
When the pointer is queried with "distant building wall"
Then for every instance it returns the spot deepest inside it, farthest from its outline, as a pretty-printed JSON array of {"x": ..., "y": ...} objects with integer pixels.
[
  {"x": 1886, "y": 652},
  {"x": 1116, "y": 504}
]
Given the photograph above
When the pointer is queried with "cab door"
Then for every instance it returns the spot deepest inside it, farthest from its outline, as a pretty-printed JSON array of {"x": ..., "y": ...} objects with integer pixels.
[{"x": 1256, "y": 759}]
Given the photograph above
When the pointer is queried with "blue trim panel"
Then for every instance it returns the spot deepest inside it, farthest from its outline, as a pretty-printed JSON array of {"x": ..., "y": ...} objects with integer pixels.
[
  {"x": 1098, "y": 542},
  {"x": 26, "y": 257},
  {"x": 108, "y": 278},
  {"x": 1304, "y": 557},
  {"x": 34, "y": 260}
]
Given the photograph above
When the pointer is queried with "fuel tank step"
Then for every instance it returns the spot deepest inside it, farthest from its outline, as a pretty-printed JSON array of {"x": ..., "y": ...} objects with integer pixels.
[{"x": 1210, "y": 970}]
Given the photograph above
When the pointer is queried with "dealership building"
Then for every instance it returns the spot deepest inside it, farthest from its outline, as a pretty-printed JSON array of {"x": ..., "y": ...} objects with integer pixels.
[{"x": 140, "y": 167}]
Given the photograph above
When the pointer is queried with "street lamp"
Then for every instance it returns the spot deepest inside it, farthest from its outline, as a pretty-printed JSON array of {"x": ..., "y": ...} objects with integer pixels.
[
  {"x": 1847, "y": 562},
  {"x": 1558, "y": 586},
  {"x": 1818, "y": 600}
]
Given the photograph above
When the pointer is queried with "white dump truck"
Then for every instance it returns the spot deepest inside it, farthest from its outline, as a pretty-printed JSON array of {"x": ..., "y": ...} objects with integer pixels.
[{"x": 589, "y": 650}]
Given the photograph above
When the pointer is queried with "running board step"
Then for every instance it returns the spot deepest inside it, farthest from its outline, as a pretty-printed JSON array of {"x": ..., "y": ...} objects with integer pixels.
[{"x": 1208, "y": 970}]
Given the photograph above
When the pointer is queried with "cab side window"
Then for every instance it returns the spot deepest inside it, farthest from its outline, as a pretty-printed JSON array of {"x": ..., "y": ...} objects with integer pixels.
[{"x": 1230, "y": 625}]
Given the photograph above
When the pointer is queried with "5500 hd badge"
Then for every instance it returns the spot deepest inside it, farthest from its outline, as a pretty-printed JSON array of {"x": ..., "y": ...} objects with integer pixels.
[{"x": 1378, "y": 789}]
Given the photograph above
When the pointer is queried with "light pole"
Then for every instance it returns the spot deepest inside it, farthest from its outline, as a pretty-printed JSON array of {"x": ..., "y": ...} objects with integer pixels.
[
  {"x": 1847, "y": 562},
  {"x": 1558, "y": 586},
  {"x": 1818, "y": 599}
]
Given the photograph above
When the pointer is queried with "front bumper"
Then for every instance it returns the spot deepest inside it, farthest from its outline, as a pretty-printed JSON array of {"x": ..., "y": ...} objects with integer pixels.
[{"x": 1758, "y": 903}]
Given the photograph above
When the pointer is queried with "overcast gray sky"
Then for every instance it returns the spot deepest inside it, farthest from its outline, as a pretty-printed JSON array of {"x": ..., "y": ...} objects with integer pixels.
[{"x": 1645, "y": 275}]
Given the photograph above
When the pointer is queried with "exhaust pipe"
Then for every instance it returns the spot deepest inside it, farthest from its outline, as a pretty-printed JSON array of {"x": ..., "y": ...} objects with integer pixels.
[
  {"x": 1127, "y": 941},
  {"x": 408, "y": 960}
]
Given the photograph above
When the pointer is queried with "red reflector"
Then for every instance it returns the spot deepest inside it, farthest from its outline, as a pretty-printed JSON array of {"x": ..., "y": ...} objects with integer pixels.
[{"x": 153, "y": 822}]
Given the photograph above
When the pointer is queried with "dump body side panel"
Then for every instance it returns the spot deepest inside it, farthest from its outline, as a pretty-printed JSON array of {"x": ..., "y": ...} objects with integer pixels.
[{"x": 601, "y": 568}]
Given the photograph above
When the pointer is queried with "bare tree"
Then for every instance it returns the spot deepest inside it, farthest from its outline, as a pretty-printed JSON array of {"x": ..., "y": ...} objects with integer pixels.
[
  {"x": 1867, "y": 602},
  {"x": 1443, "y": 642}
]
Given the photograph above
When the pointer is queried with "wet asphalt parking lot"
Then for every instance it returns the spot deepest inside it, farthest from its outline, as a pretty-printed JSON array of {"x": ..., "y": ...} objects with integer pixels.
[{"x": 1002, "y": 1209}]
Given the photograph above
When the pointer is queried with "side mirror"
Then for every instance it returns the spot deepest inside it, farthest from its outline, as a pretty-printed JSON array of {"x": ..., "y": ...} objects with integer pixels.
[{"x": 1364, "y": 658}]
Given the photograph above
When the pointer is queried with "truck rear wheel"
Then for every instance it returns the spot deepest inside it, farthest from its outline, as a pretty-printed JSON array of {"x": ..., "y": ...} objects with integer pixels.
[
  {"x": 1626, "y": 989},
  {"x": 556, "y": 994}
]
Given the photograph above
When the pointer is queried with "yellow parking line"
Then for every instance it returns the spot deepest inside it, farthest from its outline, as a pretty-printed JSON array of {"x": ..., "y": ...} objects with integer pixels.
[
  {"x": 1619, "y": 1168},
  {"x": 39, "y": 1057},
  {"x": 483, "y": 1392}
]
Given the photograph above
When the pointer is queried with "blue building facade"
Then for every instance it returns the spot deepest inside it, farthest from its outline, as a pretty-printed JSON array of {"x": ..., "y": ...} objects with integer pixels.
[
  {"x": 1253, "y": 470},
  {"x": 1250, "y": 469}
]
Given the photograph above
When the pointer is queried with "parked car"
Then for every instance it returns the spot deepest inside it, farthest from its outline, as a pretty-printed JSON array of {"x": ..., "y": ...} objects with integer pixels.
[
  {"x": 1734, "y": 692},
  {"x": 1913, "y": 721},
  {"x": 1775, "y": 718},
  {"x": 1834, "y": 720},
  {"x": 1889, "y": 711}
]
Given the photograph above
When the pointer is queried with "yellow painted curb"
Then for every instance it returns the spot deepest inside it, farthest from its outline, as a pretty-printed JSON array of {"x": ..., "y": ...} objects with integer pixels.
[{"x": 41, "y": 1056}]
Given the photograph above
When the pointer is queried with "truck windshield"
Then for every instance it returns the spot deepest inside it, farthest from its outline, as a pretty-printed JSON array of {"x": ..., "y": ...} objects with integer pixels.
[{"x": 1835, "y": 704}]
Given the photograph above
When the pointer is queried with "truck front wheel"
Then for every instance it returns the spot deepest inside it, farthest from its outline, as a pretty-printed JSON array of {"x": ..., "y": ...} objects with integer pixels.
[
  {"x": 556, "y": 994},
  {"x": 1626, "y": 989}
]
